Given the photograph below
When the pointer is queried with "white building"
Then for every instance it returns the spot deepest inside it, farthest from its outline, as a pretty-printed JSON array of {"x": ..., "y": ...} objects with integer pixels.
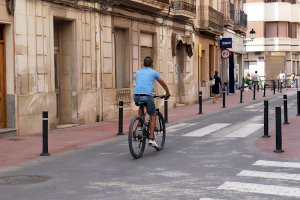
[{"x": 277, "y": 43}]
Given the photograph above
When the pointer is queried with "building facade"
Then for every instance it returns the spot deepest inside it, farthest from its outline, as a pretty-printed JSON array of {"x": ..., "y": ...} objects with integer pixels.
[{"x": 276, "y": 46}]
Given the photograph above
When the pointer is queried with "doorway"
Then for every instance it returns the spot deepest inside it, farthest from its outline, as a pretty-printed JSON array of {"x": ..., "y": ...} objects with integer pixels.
[
  {"x": 63, "y": 70},
  {"x": 2, "y": 79},
  {"x": 180, "y": 63}
]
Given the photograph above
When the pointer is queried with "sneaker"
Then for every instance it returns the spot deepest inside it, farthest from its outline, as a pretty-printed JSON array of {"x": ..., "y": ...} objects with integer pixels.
[{"x": 152, "y": 143}]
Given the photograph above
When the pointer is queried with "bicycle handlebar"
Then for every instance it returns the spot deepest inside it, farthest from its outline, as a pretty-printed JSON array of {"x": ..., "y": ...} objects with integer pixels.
[{"x": 162, "y": 96}]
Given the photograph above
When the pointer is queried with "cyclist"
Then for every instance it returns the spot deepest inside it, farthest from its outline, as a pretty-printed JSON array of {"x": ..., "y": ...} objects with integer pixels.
[{"x": 143, "y": 93}]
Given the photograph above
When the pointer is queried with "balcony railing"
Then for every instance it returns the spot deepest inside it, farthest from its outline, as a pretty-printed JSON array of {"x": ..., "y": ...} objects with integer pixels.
[
  {"x": 227, "y": 9},
  {"x": 241, "y": 18},
  {"x": 188, "y": 5},
  {"x": 211, "y": 18},
  {"x": 288, "y": 1},
  {"x": 164, "y": 1}
]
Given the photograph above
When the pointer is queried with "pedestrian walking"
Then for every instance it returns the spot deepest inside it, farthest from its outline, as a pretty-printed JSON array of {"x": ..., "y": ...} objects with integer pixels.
[
  {"x": 255, "y": 80},
  {"x": 292, "y": 78},
  {"x": 281, "y": 76},
  {"x": 216, "y": 87}
]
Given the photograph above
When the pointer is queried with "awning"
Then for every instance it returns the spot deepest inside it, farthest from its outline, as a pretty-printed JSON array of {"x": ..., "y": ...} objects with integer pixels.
[{"x": 185, "y": 40}]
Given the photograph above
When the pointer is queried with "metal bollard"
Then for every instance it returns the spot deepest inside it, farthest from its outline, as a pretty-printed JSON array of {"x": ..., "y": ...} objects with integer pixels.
[
  {"x": 296, "y": 83},
  {"x": 298, "y": 103},
  {"x": 224, "y": 98},
  {"x": 264, "y": 89},
  {"x": 285, "y": 109},
  {"x": 278, "y": 130},
  {"x": 45, "y": 134},
  {"x": 166, "y": 110},
  {"x": 241, "y": 96},
  {"x": 200, "y": 103},
  {"x": 274, "y": 87},
  {"x": 120, "y": 118},
  {"x": 253, "y": 94},
  {"x": 278, "y": 86},
  {"x": 266, "y": 119}
]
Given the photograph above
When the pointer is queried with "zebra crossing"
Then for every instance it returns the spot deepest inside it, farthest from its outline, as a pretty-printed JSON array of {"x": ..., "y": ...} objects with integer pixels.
[
  {"x": 259, "y": 188},
  {"x": 241, "y": 132}
]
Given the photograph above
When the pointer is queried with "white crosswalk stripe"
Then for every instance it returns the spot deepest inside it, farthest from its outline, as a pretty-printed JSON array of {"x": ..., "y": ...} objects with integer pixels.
[
  {"x": 277, "y": 164},
  {"x": 274, "y": 175},
  {"x": 261, "y": 188},
  {"x": 177, "y": 127},
  {"x": 206, "y": 130},
  {"x": 245, "y": 131}
]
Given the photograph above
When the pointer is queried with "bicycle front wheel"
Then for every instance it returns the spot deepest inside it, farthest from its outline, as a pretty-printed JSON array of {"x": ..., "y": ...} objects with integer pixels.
[
  {"x": 136, "y": 140},
  {"x": 160, "y": 132}
]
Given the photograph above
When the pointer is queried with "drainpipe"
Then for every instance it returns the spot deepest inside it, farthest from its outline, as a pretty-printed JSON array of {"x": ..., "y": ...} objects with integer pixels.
[{"x": 101, "y": 74}]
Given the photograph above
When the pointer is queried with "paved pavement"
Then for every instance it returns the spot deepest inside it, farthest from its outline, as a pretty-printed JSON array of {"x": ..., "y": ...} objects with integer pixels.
[{"x": 206, "y": 157}]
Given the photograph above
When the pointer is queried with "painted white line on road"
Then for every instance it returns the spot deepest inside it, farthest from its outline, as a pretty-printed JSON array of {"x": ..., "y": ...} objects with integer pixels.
[
  {"x": 277, "y": 164},
  {"x": 261, "y": 189},
  {"x": 245, "y": 131},
  {"x": 176, "y": 127},
  {"x": 206, "y": 130},
  {"x": 274, "y": 175}
]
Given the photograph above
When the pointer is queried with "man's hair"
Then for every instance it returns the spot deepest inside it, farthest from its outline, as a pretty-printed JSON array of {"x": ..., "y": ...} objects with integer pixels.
[
  {"x": 255, "y": 71},
  {"x": 216, "y": 72},
  {"x": 281, "y": 71},
  {"x": 148, "y": 61}
]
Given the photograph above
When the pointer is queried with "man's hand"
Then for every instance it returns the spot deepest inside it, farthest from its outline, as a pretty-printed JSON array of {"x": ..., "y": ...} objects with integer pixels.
[{"x": 167, "y": 95}]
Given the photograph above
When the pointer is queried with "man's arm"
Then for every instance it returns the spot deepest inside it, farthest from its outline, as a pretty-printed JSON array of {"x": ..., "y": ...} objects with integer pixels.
[{"x": 163, "y": 84}]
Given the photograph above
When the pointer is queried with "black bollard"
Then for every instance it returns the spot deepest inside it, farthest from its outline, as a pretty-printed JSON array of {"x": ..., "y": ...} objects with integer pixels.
[
  {"x": 264, "y": 89},
  {"x": 278, "y": 130},
  {"x": 45, "y": 134},
  {"x": 224, "y": 98},
  {"x": 166, "y": 110},
  {"x": 285, "y": 109},
  {"x": 266, "y": 119},
  {"x": 296, "y": 83},
  {"x": 274, "y": 87},
  {"x": 278, "y": 86},
  {"x": 120, "y": 118},
  {"x": 200, "y": 103},
  {"x": 241, "y": 97},
  {"x": 253, "y": 94},
  {"x": 298, "y": 103}
]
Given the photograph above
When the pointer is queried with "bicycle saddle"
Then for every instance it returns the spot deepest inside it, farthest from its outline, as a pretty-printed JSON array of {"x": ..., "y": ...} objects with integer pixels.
[{"x": 141, "y": 103}]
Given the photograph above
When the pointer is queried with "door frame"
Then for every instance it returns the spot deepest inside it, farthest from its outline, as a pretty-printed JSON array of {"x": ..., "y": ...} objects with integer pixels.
[
  {"x": 4, "y": 75},
  {"x": 58, "y": 90}
]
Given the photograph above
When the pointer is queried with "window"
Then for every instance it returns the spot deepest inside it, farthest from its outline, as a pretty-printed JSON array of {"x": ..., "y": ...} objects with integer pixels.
[
  {"x": 293, "y": 30},
  {"x": 276, "y": 29}
]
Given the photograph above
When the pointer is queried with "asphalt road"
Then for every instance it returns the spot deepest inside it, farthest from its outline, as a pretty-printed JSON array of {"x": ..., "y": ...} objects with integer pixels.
[{"x": 200, "y": 160}]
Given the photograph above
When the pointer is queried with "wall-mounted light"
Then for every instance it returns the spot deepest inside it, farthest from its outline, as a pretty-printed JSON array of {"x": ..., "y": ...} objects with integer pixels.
[{"x": 252, "y": 36}]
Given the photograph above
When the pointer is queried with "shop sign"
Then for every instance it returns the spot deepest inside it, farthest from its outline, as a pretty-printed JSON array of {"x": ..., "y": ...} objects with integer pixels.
[{"x": 226, "y": 43}]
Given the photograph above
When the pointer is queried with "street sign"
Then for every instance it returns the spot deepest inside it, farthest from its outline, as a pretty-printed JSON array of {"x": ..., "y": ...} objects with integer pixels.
[
  {"x": 226, "y": 43},
  {"x": 225, "y": 53}
]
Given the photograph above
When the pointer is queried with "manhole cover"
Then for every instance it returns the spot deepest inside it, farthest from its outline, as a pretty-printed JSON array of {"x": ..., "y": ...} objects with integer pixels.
[
  {"x": 15, "y": 139},
  {"x": 23, "y": 179}
]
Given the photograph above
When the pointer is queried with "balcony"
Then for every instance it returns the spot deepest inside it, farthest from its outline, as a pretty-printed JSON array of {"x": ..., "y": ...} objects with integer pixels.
[
  {"x": 287, "y": 1},
  {"x": 184, "y": 9},
  {"x": 227, "y": 9},
  {"x": 240, "y": 21},
  {"x": 211, "y": 20},
  {"x": 149, "y": 5}
]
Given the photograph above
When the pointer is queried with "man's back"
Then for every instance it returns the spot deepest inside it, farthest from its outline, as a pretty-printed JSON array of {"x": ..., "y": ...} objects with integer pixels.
[{"x": 145, "y": 80}]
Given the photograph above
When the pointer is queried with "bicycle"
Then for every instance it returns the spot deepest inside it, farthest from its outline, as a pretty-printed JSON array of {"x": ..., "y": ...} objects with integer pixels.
[{"x": 137, "y": 138}]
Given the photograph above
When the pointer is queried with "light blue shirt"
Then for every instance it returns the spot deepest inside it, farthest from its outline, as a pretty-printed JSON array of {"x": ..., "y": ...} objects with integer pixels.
[{"x": 145, "y": 81}]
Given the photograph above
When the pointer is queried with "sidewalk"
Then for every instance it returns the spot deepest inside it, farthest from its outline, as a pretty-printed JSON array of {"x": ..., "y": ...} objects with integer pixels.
[
  {"x": 290, "y": 141},
  {"x": 24, "y": 148}
]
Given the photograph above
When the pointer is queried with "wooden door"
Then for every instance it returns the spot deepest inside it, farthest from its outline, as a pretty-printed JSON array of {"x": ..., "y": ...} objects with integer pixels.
[
  {"x": 57, "y": 73},
  {"x": 2, "y": 80}
]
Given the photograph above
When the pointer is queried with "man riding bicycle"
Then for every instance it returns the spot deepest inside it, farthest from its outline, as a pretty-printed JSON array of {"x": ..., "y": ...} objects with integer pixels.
[{"x": 143, "y": 93}]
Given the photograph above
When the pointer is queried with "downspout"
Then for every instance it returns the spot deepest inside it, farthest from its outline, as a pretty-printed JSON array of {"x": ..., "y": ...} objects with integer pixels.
[{"x": 101, "y": 74}]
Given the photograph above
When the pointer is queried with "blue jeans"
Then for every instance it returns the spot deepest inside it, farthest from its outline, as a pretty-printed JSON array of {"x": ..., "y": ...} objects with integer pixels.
[{"x": 151, "y": 109}]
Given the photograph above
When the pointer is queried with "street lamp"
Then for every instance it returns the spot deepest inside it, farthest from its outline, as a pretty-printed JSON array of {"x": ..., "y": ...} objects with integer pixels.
[{"x": 252, "y": 36}]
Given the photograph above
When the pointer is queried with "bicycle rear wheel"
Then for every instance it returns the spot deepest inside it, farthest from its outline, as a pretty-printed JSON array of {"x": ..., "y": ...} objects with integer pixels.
[
  {"x": 136, "y": 140},
  {"x": 160, "y": 132}
]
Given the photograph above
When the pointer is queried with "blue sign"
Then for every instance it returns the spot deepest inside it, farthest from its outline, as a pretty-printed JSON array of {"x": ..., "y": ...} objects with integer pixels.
[{"x": 226, "y": 43}]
